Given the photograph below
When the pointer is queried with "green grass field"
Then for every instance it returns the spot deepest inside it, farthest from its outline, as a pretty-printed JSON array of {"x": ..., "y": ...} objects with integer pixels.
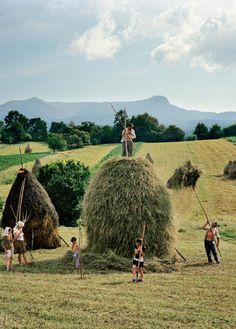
[{"x": 50, "y": 295}]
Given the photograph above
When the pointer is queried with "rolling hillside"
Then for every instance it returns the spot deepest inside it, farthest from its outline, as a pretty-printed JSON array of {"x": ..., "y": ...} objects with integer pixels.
[{"x": 197, "y": 296}]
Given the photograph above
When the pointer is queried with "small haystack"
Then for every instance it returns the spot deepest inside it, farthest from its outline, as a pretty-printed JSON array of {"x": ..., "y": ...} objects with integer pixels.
[
  {"x": 28, "y": 149},
  {"x": 149, "y": 158},
  {"x": 184, "y": 177},
  {"x": 41, "y": 227},
  {"x": 232, "y": 170},
  {"x": 226, "y": 169},
  {"x": 35, "y": 169},
  {"x": 123, "y": 199}
]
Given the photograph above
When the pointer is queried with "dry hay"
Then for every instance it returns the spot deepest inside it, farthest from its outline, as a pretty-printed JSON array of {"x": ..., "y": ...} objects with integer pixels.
[
  {"x": 149, "y": 158},
  {"x": 43, "y": 219},
  {"x": 184, "y": 177},
  {"x": 28, "y": 149},
  {"x": 226, "y": 169},
  {"x": 37, "y": 165},
  {"x": 123, "y": 197},
  {"x": 232, "y": 170},
  {"x": 110, "y": 261}
]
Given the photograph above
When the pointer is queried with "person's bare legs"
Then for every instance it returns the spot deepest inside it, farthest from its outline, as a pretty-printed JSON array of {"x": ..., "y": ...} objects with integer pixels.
[
  {"x": 10, "y": 264},
  {"x": 141, "y": 272},
  {"x": 7, "y": 263},
  {"x": 19, "y": 258},
  {"x": 134, "y": 271},
  {"x": 24, "y": 257}
]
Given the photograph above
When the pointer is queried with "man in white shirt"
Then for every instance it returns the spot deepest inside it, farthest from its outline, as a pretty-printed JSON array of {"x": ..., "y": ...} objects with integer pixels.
[{"x": 128, "y": 134}]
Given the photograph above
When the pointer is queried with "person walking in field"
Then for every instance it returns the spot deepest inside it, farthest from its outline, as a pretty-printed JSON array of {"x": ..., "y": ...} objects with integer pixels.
[
  {"x": 75, "y": 250},
  {"x": 8, "y": 246},
  {"x": 128, "y": 135},
  {"x": 19, "y": 242},
  {"x": 212, "y": 240},
  {"x": 138, "y": 261}
]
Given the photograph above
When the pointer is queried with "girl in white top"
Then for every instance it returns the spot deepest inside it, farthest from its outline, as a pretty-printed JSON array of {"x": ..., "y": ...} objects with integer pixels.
[
  {"x": 19, "y": 242},
  {"x": 7, "y": 243}
]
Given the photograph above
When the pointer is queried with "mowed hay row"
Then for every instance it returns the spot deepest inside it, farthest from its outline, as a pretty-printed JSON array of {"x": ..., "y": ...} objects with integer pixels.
[
  {"x": 216, "y": 192},
  {"x": 89, "y": 155},
  {"x": 125, "y": 198}
]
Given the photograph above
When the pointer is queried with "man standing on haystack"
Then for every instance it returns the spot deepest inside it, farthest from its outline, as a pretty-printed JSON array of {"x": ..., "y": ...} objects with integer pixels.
[{"x": 128, "y": 134}]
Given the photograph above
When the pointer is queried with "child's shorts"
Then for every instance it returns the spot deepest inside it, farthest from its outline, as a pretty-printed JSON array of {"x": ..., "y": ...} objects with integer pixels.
[
  {"x": 9, "y": 253},
  {"x": 76, "y": 259},
  {"x": 137, "y": 263}
]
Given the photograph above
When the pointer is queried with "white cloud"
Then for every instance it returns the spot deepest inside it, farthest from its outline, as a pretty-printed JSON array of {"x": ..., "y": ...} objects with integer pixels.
[
  {"x": 200, "y": 35},
  {"x": 98, "y": 42}
]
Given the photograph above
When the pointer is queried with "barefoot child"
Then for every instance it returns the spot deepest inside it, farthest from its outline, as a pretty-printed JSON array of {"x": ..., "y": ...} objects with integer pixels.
[
  {"x": 7, "y": 243},
  {"x": 75, "y": 249},
  {"x": 138, "y": 260}
]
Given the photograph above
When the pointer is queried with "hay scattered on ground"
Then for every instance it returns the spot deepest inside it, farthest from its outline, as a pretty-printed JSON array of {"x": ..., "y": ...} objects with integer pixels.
[
  {"x": 41, "y": 228},
  {"x": 123, "y": 197},
  {"x": 109, "y": 261},
  {"x": 184, "y": 177}
]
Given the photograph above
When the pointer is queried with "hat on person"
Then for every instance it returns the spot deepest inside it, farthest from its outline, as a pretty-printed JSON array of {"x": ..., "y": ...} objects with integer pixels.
[
  {"x": 6, "y": 231},
  {"x": 20, "y": 224}
]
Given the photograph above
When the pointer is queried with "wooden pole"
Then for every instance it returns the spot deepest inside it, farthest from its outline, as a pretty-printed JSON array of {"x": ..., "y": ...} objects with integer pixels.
[{"x": 180, "y": 255}]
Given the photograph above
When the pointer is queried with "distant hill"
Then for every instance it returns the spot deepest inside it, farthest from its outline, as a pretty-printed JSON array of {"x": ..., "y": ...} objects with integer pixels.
[{"x": 101, "y": 112}]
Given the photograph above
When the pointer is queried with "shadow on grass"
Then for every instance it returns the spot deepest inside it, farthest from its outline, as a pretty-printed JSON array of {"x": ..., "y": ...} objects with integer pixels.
[{"x": 50, "y": 266}]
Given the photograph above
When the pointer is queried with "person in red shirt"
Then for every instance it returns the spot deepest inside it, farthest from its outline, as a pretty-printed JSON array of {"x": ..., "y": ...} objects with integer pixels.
[{"x": 212, "y": 240}]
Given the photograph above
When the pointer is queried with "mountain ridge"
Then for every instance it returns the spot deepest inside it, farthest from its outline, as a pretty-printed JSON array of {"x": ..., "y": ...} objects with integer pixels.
[{"x": 101, "y": 112}]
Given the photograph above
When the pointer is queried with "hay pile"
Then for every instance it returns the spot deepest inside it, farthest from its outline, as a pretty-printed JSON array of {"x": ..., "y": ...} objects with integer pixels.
[
  {"x": 232, "y": 170},
  {"x": 149, "y": 158},
  {"x": 35, "y": 169},
  {"x": 226, "y": 169},
  {"x": 109, "y": 261},
  {"x": 42, "y": 224},
  {"x": 184, "y": 177},
  {"x": 123, "y": 196},
  {"x": 28, "y": 149}
]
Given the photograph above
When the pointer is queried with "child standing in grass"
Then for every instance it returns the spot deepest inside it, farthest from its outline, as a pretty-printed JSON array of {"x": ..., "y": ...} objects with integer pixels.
[
  {"x": 7, "y": 243},
  {"x": 75, "y": 250},
  {"x": 138, "y": 262}
]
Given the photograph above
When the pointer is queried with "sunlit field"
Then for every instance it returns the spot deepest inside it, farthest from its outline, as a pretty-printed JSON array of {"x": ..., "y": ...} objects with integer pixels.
[{"x": 49, "y": 294}]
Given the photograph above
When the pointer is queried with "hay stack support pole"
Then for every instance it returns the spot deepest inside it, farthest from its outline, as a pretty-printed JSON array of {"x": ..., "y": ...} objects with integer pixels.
[
  {"x": 180, "y": 255},
  {"x": 204, "y": 211},
  {"x": 144, "y": 228}
]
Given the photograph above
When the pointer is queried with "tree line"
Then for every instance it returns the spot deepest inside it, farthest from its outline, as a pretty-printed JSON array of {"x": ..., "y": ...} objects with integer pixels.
[{"x": 18, "y": 128}]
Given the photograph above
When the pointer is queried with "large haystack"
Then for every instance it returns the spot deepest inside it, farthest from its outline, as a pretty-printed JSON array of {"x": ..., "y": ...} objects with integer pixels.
[
  {"x": 41, "y": 227},
  {"x": 123, "y": 196},
  {"x": 232, "y": 170},
  {"x": 226, "y": 169}
]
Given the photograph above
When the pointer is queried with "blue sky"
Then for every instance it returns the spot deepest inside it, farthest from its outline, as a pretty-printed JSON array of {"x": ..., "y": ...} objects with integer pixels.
[{"x": 95, "y": 50}]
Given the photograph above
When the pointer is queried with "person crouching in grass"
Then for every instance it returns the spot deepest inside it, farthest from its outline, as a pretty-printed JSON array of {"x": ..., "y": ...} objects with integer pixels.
[
  {"x": 138, "y": 261},
  {"x": 75, "y": 250},
  {"x": 8, "y": 246}
]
